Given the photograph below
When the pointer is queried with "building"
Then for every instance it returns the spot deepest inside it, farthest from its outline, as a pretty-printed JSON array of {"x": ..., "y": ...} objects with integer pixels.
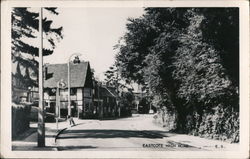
[
  {"x": 109, "y": 96},
  {"x": 142, "y": 103},
  {"x": 81, "y": 89},
  {"x": 105, "y": 101}
]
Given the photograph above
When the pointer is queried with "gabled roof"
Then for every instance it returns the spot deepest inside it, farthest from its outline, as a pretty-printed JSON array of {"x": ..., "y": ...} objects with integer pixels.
[
  {"x": 108, "y": 91},
  {"x": 56, "y": 72}
]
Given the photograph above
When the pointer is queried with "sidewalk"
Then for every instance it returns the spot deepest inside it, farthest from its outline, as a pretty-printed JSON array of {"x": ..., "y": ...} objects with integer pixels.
[
  {"x": 202, "y": 143},
  {"x": 199, "y": 142},
  {"x": 184, "y": 139},
  {"x": 28, "y": 140}
]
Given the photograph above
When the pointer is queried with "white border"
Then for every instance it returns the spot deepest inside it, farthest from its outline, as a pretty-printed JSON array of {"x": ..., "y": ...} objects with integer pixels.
[{"x": 6, "y": 81}]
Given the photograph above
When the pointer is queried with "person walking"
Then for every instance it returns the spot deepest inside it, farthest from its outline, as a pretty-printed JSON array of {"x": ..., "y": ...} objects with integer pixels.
[
  {"x": 163, "y": 115},
  {"x": 71, "y": 120}
]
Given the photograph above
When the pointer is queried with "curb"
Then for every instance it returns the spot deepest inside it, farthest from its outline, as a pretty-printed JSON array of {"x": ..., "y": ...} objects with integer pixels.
[{"x": 58, "y": 133}]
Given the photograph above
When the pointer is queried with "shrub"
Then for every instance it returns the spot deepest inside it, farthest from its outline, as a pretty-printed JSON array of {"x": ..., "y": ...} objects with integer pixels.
[
  {"x": 222, "y": 124},
  {"x": 20, "y": 119}
]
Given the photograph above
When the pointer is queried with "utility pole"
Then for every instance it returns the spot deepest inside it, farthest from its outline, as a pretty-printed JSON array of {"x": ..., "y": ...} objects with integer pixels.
[
  {"x": 69, "y": 102},
  {"x": 41, "y": 125}
]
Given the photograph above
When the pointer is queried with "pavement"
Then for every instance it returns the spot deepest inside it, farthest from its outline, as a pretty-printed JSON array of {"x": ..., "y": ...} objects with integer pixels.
[
  {"x": 28, "y": 140},
  {"x": 132, "y": 134}
]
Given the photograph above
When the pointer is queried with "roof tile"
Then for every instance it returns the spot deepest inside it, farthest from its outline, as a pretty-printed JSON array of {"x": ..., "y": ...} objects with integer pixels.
[{"x": 56, "y": 72}]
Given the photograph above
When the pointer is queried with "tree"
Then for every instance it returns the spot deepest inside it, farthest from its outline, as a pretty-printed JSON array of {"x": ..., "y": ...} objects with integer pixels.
[
  {"x": 24, "y": 28},
  {"x": 181, "y": 56},
  {"x": 204, "y": 82},
  {"x": 113, "y": 78},
  {"x": 147, "y": 54},
  {"x": 220, "y": 28}
]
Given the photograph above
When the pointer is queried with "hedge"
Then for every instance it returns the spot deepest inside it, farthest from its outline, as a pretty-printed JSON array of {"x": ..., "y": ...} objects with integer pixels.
[
  {"x": 220, "y": 124},
  {"x": 20, "y": 119}
]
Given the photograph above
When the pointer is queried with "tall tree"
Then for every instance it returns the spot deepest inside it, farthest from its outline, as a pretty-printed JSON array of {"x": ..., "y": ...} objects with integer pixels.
[
  {"x": 24, "y": 29},
  {"x": 220, "y": 28},
  {"x": 204, "y": 82},
  {"x": 185, "y": 68}
]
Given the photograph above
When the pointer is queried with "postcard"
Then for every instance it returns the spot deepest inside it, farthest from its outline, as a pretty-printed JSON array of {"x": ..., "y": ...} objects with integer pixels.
[{"x": 124, "y": 79}]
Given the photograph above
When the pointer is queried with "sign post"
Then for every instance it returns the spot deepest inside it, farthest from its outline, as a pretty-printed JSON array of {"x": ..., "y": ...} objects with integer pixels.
[{"x": 60, "y": 84}]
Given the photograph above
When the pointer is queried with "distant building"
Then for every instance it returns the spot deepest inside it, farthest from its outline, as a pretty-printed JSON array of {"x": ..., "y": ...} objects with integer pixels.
[
  {"x": 105, "y": 101},
  {"x": 142, "y": 103},
  {"x": 81, "y": 86}
]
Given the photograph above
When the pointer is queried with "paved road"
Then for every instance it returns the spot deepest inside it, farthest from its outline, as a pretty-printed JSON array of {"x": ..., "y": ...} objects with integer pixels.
[{"x": 134, "y": 133}]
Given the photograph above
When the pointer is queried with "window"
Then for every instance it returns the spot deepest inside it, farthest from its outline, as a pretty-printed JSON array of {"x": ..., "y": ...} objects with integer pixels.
[
  {"x": 52, "y": 92},
  {"x": 72, "y": 91},
  {"x": 87, "y": 92}
]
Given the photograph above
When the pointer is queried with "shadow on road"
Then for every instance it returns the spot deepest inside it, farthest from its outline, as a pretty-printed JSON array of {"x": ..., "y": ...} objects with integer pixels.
[
  {"x": 106, "y": 133},
  {"x": 70, "y": 148}
]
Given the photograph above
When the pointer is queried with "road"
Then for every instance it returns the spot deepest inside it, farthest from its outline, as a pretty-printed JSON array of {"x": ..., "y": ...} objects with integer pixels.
[{"x": 128, "y": 134}]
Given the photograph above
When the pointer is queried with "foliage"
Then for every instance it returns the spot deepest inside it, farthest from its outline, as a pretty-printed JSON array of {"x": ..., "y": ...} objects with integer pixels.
[
  {"x": 125, "y": 95},
  {"x": 220, "y": 28},
  {"x": 221, "y": 124},
  {"x": 20, "y": 119},
  {"x": 113, "y": 78},
  {"x": 184, "y": 59},
  {"x": 24, "y": 28}
]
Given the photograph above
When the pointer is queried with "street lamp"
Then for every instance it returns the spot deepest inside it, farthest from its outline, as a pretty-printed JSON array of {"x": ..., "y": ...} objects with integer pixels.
[{"x": 69, "y": 102}]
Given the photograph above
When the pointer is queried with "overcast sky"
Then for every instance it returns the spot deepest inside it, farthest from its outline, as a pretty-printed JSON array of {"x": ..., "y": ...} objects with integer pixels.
[{"x": 92, "y": 32}]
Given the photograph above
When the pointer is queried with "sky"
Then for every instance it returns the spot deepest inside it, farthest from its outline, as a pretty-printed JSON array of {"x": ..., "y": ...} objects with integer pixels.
[{"x": 92, "y": 32}]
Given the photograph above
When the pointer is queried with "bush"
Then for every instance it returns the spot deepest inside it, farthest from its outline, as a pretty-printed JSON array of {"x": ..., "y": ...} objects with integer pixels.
[
  {"x": 20, "y": 119},
  {"x": 223, "y": 124}
]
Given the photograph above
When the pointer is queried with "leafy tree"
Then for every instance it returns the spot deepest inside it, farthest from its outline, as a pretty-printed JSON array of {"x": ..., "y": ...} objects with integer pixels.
[
  {"x": 204, "y": 82},
  {"x": 160, "y": 29},
  {"x": 112, "y": 76},
  {"x": 182, "y": 57},
  {"x": 25, "y": 27},
  {"x": 220, "y": 28}
]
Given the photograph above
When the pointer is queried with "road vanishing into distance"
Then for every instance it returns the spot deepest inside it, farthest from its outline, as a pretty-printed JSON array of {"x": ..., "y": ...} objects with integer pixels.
[{"x": 137, "y": 133}]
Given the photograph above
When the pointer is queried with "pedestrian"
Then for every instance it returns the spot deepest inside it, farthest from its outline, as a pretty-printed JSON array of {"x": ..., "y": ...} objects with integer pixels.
[
  {"x": 71, "y": 121},
  {"x": 163, "y": 115}
]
